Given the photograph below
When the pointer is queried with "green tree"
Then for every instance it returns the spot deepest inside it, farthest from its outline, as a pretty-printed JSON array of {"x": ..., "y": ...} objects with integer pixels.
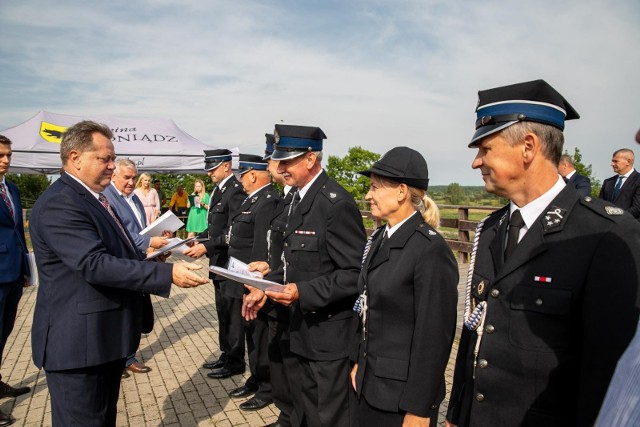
[
  {"x": 30, "y": 187},
  {"x": 454, "y": 194},
  {"x": 345, "y": 170},
  {"x": 585, "y": 170}
]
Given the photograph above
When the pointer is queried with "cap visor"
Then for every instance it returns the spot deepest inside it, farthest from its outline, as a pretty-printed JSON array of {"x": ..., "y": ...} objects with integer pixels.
[
  {"x": 286, "y": 155},
  {"x": 485, "y": 131}
]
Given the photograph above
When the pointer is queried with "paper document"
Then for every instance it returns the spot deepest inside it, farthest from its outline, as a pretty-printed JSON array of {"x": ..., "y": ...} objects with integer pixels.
[
  {"x": 238, "y": 272},
  {"x": 177, "y": 247},
  {"x": 168, "y": 221}
]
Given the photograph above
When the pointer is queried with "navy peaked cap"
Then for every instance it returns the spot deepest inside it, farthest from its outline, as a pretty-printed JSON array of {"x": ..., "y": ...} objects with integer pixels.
[
  {"x": 293, "y": 141},
  {"x": 534, "y": 101},
  {"x": 214, "y": 158},
  {"x": 250, "y": 162}
]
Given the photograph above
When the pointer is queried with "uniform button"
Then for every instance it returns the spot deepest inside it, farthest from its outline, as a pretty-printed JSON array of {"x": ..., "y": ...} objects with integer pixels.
[
  {"x": 495, "y": 293},
  {"x": 286, "y": 245},
  {"x": 302, "y": 245},
  {"x": 483, "y": 363},
  {"x": 480, "y": 397},
  {"x": 539, "y": 302},
  {"x": 329, "y": 316},
  {"x": 434, "y": 406},
  {"x": 364, "y": 355},
  {"x": 490, "y": 329}
]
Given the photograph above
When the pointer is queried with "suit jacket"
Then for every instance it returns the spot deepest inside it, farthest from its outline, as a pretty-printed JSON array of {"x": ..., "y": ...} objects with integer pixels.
[
  {"x": 13, "y": 247},
  {"x": 323, "y": 244},
  {"x": 128, "y": 217},
  {"x": 249, "y": 233},
  {"x": 222, "y": 207},
  {"x": 581, "y": 183},
  {"x": 628, "y": 198},
  {"x": 560, "y": 312},
  {"x": 411, "y": 285},
  {"x": 89, "y": 308}
]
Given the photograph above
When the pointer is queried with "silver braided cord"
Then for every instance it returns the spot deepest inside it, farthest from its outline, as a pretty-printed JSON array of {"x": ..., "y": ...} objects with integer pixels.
[{"x": 472, "y": 319}]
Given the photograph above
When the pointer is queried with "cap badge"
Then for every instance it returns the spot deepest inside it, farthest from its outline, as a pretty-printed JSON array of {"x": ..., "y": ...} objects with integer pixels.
[{"x": 613, "y": 210}]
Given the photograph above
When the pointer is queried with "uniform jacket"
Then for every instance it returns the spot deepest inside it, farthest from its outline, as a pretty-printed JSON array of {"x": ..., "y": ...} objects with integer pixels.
[
  {"x": 128, "y": 217},
  {"x": 628, "y": 198},
  {"x": 249, "y": 233},
  {"x": 13, "y": 247},
  {"x": 323, "y": 244},
  {"x": 222, "y": 207},
  {"x": 90, "y": 303},
  {"x": 560, "y": 312},
  {"x": 581, "y": 183},
  {"x": 411, "y": 284}
]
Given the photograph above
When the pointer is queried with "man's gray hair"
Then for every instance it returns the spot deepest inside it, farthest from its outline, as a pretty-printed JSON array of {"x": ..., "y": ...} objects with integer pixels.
[
  {"x": 551, "y": 137},
  {"x": 125, "y": 164},
  {"x": 627, "y": 152},
  {"x": 79, "y": 137}
]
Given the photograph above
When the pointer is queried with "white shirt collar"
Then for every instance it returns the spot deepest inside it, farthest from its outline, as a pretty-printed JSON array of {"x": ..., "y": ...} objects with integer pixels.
[
  {"x": 251, "y": 195},
  {"x": 391, "y": 230},
  {"x": 96, "y": 195},
  {"x": 626, "y": 175},
  {"x": 304, "y": 189},
  {"x": 224, "y": 181},
  {"x": 532, "y": 210},
  {"x": 570, "y": 174}
]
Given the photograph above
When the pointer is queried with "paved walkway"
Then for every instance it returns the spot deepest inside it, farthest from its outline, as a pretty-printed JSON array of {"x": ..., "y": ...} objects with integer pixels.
[{"x": 176, "y": 393}]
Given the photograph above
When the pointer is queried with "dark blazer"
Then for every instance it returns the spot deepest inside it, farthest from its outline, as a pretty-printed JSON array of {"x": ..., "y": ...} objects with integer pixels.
[
  {"x": 323, "y": 245},
  {"x": 581, "y": 183},
  {"x": 222, "y": 207},
  {"x": 411, "y": 284},
  {"x": 89, "y": 308},
  {"x": 13, "y": 247},
  {"x": 249, "y": 233},
  {"x": 560, "y": 312},
  {"x": 128, "y": 217},
  {"x": 628, "y": 197}
]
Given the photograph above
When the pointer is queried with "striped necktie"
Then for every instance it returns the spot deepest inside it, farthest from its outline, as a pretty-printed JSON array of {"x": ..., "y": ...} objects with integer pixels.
[
  {"x": 103, "y": 200},
  {"x": 7, "y": 201}
]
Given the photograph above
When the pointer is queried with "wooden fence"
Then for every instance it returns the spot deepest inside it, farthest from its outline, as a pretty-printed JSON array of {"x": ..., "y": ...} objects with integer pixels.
[{"x": 461, "y": 245}]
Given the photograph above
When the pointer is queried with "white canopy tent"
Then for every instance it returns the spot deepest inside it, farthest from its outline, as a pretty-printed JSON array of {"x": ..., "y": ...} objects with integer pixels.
[{"x": 155, "y": 145}]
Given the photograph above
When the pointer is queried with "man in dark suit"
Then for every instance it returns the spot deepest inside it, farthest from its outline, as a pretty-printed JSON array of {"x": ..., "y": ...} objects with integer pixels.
[
  {"x": 567, "y": 171},
  {"x": 93, "y": 301},
  {"x": 551, "y": 289},
  {"x": 14, "y": 266},
  {"x": 623, "y": 189},
  {"x": 323, "y": 243},
  {"x": 225, "y": 201},
  {"x": 248, "y": 242},
  {"x": 131, "y": 211}
]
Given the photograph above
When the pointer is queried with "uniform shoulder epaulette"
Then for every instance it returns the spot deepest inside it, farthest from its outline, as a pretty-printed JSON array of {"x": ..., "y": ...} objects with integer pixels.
[
  {"x": 426, "y": 230},
  {"x": 602, "y": 208},
  {"x": 332, "y": 194}
]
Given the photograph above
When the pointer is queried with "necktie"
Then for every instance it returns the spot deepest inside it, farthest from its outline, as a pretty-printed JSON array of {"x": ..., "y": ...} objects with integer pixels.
[
  {"x": 515, "y": 224},
  {"x": 5, "y": 197},
  {"x": 616, "y": 189},
  {"x": 565, "y": 179},
  {"x": 103, "y": 200},
  {"x": 296, "y": 201}
]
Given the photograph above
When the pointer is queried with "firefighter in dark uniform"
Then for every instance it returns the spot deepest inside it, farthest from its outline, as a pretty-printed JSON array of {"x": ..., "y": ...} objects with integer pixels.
[
  {"x": 225, "y": 201},
  {"x": 281, "y": 360},
  {"x": 553, "y": 277},
  {"x": 408, "y": 300},
  {"x": 248, "y": 242},
  {"x": 323, "y": 243}
]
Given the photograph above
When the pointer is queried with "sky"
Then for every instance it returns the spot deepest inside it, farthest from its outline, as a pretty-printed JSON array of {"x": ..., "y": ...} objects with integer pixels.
[{"x": 374, "y": 73}]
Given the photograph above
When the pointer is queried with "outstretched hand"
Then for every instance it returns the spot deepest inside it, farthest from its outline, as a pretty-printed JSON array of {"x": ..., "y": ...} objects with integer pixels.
[{"x": 184, "y": 277}]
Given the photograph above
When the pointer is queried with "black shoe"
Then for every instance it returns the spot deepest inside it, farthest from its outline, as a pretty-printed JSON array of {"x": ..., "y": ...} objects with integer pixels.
[
  {"x": 243, "y": 391},
  {"x": 224, "y": 373},
  {"x": 5, "y": 419},
  {"x": 214, "y": 365},
  {"x": 276, "y": 424},
  {"x": 7, "y": 391},
  {"x": 254, "y": 404},
  {"x": 125, "y": 374}
]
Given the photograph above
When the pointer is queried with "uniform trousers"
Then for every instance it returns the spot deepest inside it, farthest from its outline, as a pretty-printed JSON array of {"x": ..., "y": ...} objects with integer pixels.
[
  {"x": 10, "y": 294},
  {"x": 258, "y": 348},
  {"x": 367, "y": 415},
  {"x": 279, "y": 358},
  {"x": 325, "y": 393},
  {"x": 222, "y": 338},
  {"x": 231, "y": 321},
  {"x": 85, "y": 397}
]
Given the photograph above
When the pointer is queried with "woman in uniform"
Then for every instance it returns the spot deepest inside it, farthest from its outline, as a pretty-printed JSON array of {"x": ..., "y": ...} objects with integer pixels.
[{"x": 407, "y": 303}]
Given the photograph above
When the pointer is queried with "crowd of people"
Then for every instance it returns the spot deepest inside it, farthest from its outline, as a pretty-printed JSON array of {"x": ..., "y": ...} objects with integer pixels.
[{"x": 360, "y": 332}]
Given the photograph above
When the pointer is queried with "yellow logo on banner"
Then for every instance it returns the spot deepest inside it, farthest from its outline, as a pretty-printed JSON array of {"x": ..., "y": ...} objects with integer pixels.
[{"x": 52, "y": 133}]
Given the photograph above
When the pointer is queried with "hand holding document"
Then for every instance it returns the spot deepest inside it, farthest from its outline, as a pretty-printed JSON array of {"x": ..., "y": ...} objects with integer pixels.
[
  {"x": 168, "y": 221},
  {"x": 177, "y": 247},
  {"x": 238, "y": 272}
]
